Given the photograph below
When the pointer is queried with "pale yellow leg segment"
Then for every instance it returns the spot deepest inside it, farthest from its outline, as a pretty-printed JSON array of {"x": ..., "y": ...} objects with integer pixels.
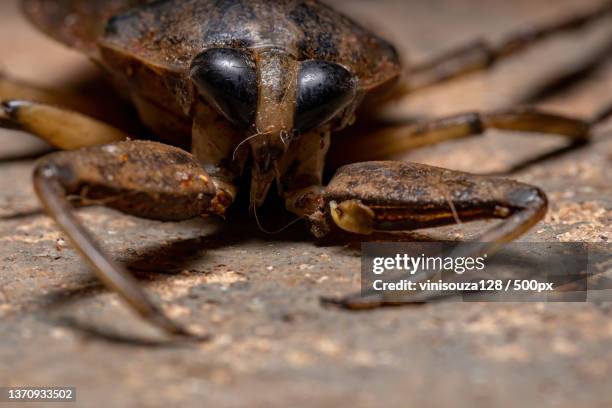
[
  {"x": 11, "y": 89},
  {"x": 386, "y": 142},
  {"x": 62, "y": 128},
  {"x": 104, "y": 106},
  {"x": 105, "y": 109}
]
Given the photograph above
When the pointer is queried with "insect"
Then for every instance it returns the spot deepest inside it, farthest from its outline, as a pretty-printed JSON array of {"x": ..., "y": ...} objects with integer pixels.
[{"x": 256, "y": 89}]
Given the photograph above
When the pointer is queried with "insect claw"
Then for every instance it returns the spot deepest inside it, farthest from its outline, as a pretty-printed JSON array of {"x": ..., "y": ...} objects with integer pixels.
[
  {"x": 355, "y": 302},
  {"x": 6, "y": 120},
  {"x": 332, "y": 302}
]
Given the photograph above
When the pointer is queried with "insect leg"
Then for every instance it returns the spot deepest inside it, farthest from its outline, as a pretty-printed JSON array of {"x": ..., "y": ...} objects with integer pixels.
[
  {"x": 301, "y": 184},
  {"x": 481, "y": 55},
  {"x": 62, "y": 128},
  {"x": 13, "y": 89},
  {"x": 602, "y": 115},
  {"x": 145, "y": 179},
  {"x": 387, "y": 141},
  {"x": 103, "y": 104},
  {"x": 396, "y": 196}
]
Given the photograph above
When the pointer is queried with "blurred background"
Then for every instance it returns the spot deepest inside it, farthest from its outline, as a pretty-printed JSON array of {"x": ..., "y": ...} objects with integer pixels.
[{"x": 274, "y": 345}]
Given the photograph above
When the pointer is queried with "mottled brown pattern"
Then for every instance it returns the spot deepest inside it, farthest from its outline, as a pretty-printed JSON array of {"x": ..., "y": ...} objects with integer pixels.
[
  {"x": 76, "y": 23},
  {"x": 406, "y": 196},
  {"x": 400, "y": 184},
  {"x": 171, "y": 33},
  {"x": 146, "y": 179}
]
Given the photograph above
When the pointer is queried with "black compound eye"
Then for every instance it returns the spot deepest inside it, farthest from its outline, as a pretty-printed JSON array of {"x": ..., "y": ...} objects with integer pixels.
[
  {"x": 227, "y": 79},
  {"x": 324, "y": 89}
]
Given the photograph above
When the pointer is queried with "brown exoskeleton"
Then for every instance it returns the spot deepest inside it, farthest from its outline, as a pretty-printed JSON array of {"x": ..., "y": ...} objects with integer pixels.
[{"x": 256, "y": 88}]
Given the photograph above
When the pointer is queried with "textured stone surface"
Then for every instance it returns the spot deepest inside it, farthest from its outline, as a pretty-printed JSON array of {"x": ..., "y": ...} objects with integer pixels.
[{"x": 274, "y": 344}]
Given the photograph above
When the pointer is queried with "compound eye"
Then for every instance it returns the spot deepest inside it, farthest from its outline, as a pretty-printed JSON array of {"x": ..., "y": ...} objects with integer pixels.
[
  {"x": 324, "y": 89},
  {"x": 227, "y": 79}
]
